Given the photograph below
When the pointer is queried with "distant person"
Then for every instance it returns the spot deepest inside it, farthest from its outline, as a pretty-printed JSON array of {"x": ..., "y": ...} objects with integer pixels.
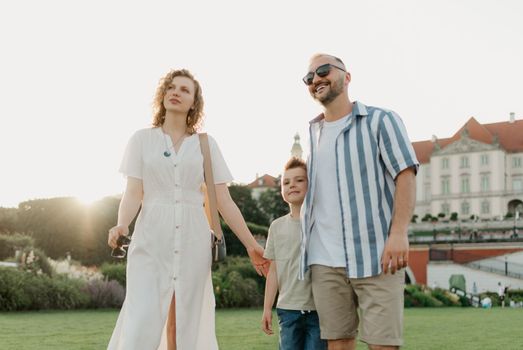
[
  {"x": 501, "y": 294},
  {"x": 298, "y": 320},
  {"x": 361, "y": 196},
  {"x": 169, "y": 301}
]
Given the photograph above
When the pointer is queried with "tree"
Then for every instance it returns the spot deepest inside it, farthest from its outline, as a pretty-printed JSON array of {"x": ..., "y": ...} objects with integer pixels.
[
  {"x": 61, "y": 225},
  {"x": 426, "y": 218},
  {"x": 8, "y": 219},
  {"x": 242, "y": 196},
  {"x": 272, "y": 204}
]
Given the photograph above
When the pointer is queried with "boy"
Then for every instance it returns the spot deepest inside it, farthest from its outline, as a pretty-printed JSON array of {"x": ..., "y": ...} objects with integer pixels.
[{"x": 298, "y": 320}]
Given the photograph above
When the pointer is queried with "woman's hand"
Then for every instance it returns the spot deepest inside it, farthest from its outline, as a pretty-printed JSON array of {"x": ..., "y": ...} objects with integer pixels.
[
  {"x": 261, "y": 265},
  {"x": 114, "y": 233}
]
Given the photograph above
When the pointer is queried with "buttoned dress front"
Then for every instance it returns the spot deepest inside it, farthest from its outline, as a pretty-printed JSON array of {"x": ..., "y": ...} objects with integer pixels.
[{"x": 170, "y": 249}]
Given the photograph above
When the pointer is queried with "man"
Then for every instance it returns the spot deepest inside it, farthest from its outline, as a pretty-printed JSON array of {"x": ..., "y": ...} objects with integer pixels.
[{"x": 354, "y": 224}]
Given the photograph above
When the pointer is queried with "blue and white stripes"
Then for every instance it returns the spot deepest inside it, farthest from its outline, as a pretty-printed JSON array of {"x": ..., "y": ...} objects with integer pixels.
[{"x": 371, "y": 151}]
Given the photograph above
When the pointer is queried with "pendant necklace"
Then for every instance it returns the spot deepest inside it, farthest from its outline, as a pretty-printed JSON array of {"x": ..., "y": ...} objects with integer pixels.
[{"x": 167, "y": 153}]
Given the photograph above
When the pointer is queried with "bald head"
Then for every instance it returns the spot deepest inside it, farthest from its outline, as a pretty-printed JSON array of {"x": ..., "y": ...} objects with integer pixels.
[{"x": 324, "y": 56}]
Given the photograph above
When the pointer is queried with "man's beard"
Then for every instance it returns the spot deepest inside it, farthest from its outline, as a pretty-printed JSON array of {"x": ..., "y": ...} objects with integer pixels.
[{"x": 335, "y": 89}]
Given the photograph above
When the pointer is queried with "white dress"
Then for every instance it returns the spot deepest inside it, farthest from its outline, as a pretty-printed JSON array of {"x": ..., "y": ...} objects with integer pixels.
[{"x": 170, "y": 248}]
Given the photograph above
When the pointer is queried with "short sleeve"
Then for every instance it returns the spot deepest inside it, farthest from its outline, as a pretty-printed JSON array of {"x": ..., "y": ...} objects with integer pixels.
[
  {"x": 395, "y": 148},
  {"x": 220, "y": 171},
  {"x": 131, "y": 164},
  {"x": 269, "y": 246}
]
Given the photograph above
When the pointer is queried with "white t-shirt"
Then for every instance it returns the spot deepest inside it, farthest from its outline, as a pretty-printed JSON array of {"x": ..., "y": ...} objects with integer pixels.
[
  {"x": 501, "y": 290},
  {"x": 326, "y": 242}
]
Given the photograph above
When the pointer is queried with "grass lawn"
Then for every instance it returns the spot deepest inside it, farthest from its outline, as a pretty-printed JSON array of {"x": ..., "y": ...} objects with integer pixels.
[{"x": 425, "y": 329}]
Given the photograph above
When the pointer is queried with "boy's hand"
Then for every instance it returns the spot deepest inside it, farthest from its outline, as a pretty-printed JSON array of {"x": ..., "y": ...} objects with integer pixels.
[{"x": 267, "y": 322}]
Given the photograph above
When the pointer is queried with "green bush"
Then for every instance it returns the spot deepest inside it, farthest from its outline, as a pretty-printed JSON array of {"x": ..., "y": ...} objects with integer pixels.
[
  {"x": 415, "y": 296},
  {"x": 234, "y": 246},
  {"x": 464, "y": 301},
  {"x": 515, "y": 294},
  {"x": 236, "y": 284},
  {"x": 12, "y": 295},
  {"x": 20, "y": 290},
  {"x": 258, "y": 229},
  {"x": 447, "y": 298},
  {"x": 114, "y": 272},
  {"x": 9, "y": 244}
]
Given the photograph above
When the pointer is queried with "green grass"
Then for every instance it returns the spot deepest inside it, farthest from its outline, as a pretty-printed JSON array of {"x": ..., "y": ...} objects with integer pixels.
[{"x": 425, "y": 329}]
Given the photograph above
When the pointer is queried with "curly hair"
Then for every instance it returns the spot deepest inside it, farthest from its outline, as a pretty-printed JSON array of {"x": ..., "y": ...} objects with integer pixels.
[{"x": 195, "y": 114}]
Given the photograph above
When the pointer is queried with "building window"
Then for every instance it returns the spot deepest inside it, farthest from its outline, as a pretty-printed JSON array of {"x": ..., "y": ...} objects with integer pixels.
[
  {"x": 517, "y": 184},
  {"x": 444, "y": 163},
  {"x": 465, "y": 208},
  {"x": 445, "y": 185},
  {"x": 516, "y": 162},
  {"x": 464, "y": 162},
  {"x": 484, "y": 159},
  {"x": 445, "y": 209},
  {"x": 485, "y": 207},
  {"x": 465, "y": 184},
  {"x": 426, "y": 194},
  {"x": 485, "y": 183}
]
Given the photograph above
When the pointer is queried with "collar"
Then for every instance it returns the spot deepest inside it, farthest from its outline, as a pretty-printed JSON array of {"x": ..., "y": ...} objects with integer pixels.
[{"x": 358, "y": 109}]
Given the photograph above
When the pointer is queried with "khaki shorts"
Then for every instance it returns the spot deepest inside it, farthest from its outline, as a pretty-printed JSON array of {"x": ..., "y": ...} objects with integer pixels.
[{"x": 378, "y": 298}]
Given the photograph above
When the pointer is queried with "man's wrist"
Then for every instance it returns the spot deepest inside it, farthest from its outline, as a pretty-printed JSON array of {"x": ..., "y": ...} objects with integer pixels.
[{"x": 398, "y": 232}]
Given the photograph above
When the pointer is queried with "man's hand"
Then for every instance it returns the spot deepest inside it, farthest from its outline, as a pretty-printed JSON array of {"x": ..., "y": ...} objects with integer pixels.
[
  {"x": 261, "y": 265},
  {"x": 396, "y": 252},
  {"x": 267, "y": 322}
]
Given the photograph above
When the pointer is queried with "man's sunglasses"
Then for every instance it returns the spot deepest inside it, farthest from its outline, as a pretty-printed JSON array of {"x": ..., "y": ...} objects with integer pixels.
[
  {"x": 322, "y": 71},
  {"x": 122, "y": 242}
]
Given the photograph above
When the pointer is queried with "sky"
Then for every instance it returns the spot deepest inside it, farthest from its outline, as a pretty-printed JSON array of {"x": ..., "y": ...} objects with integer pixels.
[{"x": 77, "y": 78}]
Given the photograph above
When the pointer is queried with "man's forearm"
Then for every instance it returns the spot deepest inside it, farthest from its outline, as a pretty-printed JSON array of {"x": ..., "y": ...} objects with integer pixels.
[{"x": 404, "y": 201}]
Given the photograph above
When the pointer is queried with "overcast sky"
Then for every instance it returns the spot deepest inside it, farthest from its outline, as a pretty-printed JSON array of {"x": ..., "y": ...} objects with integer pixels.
[{"x": 77, "y": 77}]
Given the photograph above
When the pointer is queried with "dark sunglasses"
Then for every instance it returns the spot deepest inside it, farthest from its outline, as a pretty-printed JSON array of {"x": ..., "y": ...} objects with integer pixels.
[
  {"x": 322, "y": 71},
  {"x": 122, "y": 242}
]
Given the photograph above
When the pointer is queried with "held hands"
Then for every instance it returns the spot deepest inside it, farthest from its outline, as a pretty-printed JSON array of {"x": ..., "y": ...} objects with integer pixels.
[
  {"x": 114, "y": 233},
  {"x": 396, "y": 253},
  {"x": 267, "y": 322},
  {"x": 261, "y": 265}
]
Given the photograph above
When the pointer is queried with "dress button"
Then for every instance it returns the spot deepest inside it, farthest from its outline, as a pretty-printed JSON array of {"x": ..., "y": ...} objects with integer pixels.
[
  {"x": 175, "y": 165},
  {"x": 174, "y": 278},
  {"x": 177, "y": 226},
  {"x": 176, "y": 252}
]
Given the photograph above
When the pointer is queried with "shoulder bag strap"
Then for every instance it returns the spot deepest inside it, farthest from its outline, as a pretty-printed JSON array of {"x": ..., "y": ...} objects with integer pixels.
[{"x": 209, "y": 184}]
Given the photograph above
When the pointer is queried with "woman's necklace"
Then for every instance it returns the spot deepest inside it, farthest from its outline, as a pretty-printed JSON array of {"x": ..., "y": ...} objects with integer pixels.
[{"x": 167, "y": 153}]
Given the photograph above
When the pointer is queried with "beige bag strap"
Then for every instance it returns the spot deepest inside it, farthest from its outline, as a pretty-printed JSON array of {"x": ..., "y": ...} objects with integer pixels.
[{"x": 209, "y": 184}]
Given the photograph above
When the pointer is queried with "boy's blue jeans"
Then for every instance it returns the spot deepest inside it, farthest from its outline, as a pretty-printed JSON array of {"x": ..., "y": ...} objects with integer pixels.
[{"x": 300, "y": 330}]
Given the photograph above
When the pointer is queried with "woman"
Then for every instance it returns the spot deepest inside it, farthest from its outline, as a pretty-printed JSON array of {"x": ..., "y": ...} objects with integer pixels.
[{"x": 169, "y": 261}]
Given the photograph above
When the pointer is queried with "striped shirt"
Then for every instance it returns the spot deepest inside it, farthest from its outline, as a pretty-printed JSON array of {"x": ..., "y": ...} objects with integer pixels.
[{"x": 371, "y": 150}]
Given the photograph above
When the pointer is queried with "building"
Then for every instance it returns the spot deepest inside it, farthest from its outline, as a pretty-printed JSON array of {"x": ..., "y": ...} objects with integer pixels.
[
  {"x": 296, "y": 150},
  {"x": 477, "y": 171},
  {"x": 262, "y": 184}
]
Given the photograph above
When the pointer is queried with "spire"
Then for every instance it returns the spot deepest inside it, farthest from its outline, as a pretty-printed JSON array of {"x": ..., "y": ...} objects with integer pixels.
[{"x": 296, "y": 150}]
